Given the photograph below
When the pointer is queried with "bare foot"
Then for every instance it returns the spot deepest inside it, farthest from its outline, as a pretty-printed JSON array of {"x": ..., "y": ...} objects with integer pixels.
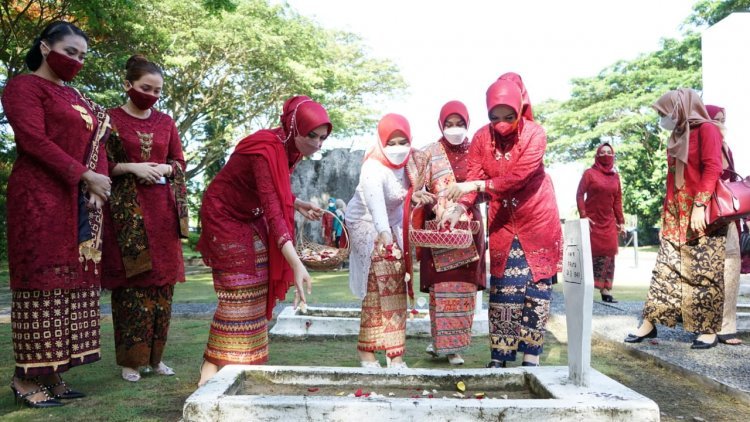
[{"x": 208, "y": 370}]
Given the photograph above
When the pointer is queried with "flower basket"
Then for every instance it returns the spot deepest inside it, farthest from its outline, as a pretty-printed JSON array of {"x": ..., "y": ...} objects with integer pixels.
[
  {"x": 317, "y": 257},
  {"x": 433, "y": 237}
]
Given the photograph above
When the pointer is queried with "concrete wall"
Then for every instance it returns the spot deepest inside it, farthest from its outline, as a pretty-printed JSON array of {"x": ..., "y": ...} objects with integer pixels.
[{"x": 726, "y": 80}]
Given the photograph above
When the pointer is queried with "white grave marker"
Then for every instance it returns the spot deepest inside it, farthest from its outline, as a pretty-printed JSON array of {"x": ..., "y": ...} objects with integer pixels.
[{"x": 578, "y": 287}]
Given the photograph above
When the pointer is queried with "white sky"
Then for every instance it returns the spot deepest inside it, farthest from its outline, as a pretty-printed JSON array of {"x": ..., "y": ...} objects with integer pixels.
[{"x": 455, "y": 49}]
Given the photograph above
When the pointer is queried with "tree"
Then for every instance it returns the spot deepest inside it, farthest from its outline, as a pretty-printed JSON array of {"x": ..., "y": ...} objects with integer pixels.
[{"x": 615, "y": 106}]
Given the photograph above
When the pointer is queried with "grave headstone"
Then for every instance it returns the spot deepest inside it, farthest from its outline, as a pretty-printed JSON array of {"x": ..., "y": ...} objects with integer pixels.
[{"x": 578, "y": 287}]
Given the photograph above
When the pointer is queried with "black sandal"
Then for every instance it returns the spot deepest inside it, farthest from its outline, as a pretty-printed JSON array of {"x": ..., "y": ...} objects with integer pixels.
[
  {"x": 725, "y": 339},
  {"x": 608, "y": 298},
  {"x": 68, "y": 394},
  {"x": 24, "y": 397}
]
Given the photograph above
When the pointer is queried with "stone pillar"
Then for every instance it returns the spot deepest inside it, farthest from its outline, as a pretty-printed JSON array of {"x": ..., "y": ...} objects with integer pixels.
[
  {"x": 578, "y": 287},
  {"x": 726, "y": 67}
]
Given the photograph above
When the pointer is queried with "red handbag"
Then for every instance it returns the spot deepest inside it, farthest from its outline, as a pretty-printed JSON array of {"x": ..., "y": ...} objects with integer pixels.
[{"x": 730, "y": 201}]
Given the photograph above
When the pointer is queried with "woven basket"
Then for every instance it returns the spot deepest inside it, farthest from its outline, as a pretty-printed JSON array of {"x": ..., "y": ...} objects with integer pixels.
[
  {"x": 430, "y": 237},
  {"x": 332, "y": 258}
]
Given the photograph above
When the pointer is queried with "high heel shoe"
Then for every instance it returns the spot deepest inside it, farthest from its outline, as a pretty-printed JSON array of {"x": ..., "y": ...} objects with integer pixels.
[
  {"x": 497, "y": 364},
  {"x": 697, "y": 344},
  {"x": 24, "y": 397},
  {"x": 608, "y": 298},
  {"x": 67, "y": 394},
  {"x": 632, "y": 338}
]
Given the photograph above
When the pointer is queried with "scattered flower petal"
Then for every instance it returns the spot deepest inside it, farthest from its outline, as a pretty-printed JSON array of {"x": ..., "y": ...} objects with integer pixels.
[
  {"x": 460, "y": 386},
  {"x": 358, "y": 393},
  {"x": 313, "y": 389}
]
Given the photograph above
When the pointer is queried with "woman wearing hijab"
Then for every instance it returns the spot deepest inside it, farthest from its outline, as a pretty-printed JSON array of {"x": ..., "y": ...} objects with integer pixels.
[
  {"x": 728, "y": 333},
  {"x": 599, "y": 199},
  {"x": 506, "y": 161},
  {"x": 56, "y": 190},
  {"x": 247, "y": 217},
  {"x": 338, "y": 225},
  {"x": 380, "y": 263},
  {"x": 327, "y": 231},
  {"x": 451, "y": 276},
  {"x": 688, "y": 280}
]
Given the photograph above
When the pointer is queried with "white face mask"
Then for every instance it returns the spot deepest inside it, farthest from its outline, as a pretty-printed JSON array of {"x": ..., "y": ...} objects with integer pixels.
[
  {"x": 455, "y": 135},
  {"x": 667, "y": 123},
  {"x": 396, "y": 154}
]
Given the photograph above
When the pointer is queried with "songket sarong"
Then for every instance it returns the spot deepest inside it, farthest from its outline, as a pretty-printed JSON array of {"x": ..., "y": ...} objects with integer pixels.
[
  {"x": 451, "y": 315},
  {"x": 141, "y": 318},
  {"x": 383, "y": 318},
  {"x": 239, "y": 330},
  {"x": 604, "y": 271},
  {"x": 54, "y": 330},
  {"x": 519, "y": 308},
  {"x": 687, "y": 284}
]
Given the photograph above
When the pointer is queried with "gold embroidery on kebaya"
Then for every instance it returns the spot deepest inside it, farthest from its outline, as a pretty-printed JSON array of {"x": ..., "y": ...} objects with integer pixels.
[
  {"x": 147, "y": 141},
  {"x": 85, "y": 116}
]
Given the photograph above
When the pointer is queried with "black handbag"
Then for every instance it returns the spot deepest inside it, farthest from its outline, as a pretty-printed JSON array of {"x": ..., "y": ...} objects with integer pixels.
[{"x": 744, "y": 240}]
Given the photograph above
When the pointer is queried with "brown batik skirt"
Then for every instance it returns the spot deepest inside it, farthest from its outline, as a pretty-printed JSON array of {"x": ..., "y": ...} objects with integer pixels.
[
  {"x": 383, "y": 318},
  {"x": 141, "y": 318},
  {"x": 687, "y": 284},
  {"x": 54, "y": 330}
]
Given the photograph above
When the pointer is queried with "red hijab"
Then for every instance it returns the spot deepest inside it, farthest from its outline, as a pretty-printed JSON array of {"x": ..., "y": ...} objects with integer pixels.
[
  {"x": 453, "y": 107},
  {"x": 526, "y": 109},
  {"x": 389, "y": 124},
  {"x": 300, "y": 115},
  {"x": 604, "y": 164},
  {"x": 506, "y": 92}
]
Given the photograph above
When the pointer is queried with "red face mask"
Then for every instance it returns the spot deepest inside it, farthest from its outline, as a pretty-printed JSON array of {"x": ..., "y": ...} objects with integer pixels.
[
  {"x": 142, "y": 100},
  {"x": 505, "y": 128},
  {"x": 64, "y": 67},
  {"x": 606, "y": 161}
]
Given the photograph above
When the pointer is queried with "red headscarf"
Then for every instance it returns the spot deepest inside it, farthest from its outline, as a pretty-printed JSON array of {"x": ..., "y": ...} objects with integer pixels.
[
  {"x": 727, "y": 157},
  {"x": 505, "y": 92},
  {"x": 602, "y": 163},
  {"x": 526, "y": 109},
  {"x": 453, "y": 107},
  {"x": 389, "y": 124},
  {"x": 300, "y": 115}
]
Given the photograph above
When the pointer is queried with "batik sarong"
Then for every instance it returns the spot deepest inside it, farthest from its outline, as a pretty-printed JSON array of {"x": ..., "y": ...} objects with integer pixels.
[
  {"x": 141, "y": 318},
  {"x": 687, "y": 284},
  {"x": 451, "y": 315},
  {"x": 519, "y": 308},
  {"x": 604, "y": 272},
  {"x": 239, "y": 330},
  {"x": 383, "y": 318},
  {"x": 54, "y": 330}
]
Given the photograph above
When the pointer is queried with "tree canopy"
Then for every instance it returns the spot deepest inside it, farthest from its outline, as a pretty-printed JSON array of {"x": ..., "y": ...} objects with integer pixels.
[{"x": 615, "y": 106}]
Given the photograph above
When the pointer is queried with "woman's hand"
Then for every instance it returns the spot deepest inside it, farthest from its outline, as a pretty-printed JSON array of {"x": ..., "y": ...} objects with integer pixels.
[
  {"x": 147, "y": 173},
  {"x": 165, "y": 170},
  {"x": 384, "y": 239},
  {"x": 98, "y": 185},
  {"x": 457, "y": 190},
  {"x": 301, "y": 277},
  {"x": 698, "y": 218},
  {"x": 308, "y": 210},
  {"x": 421, "y": 197},
  {"x": 452, "y": 216},
  {"x": 95, "y": 201}
]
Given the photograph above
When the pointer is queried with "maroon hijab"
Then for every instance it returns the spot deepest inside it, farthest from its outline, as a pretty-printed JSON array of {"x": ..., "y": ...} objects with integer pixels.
[{"x": 604, "y": 164}]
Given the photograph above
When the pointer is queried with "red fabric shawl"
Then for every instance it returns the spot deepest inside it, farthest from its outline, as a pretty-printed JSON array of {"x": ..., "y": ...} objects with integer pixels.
[
  {"x": 300, "y": 116},
  {"x": 602, "y": 205},
  {"x": 522, "y": 198},
  {"x": 526, "y": 107}
]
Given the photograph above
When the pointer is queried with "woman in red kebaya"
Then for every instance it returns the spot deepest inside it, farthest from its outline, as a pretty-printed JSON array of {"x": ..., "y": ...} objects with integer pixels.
[
  {"x": 55, "y": 193},
  {"x": 451, "y": 276},
  {"x": 600, "y": 186},
  {"x": 506, "y": 161},
  {"x": 247, "y": 218},
  {"x": 687, "y": 284},
  {"x": 148, "y": 214}
]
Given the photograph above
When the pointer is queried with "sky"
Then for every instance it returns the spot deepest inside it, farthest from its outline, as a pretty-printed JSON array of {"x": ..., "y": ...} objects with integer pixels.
[{"x": 450, "y": 50}]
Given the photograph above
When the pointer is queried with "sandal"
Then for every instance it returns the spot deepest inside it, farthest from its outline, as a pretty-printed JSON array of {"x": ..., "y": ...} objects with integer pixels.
[
  {"x": 67, "y": 394},
  {"x": 163, "y": 369},
  {"x": 130, "y": 374},
  {"x": 730, "y": 339}
]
